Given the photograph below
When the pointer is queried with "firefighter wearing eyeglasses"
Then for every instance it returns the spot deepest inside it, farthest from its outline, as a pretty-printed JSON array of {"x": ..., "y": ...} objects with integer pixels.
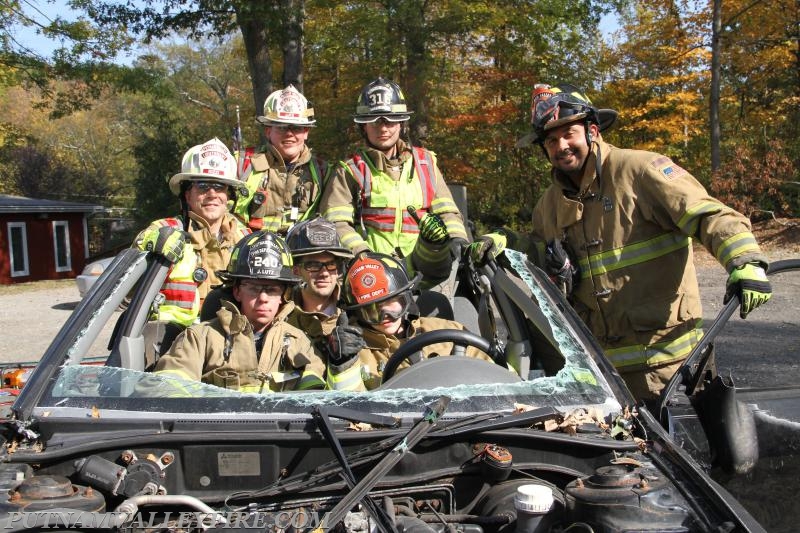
[
  {"x": 199, "y": 241},
  {"x": 377, "y": 293},
  {"x": 319, "y": 261},
  {"x": 369, "y": 194},
  {"x": 628, "y": 218},
  {"x": 284, "y": 179},
  {"x": 249, "y": 346}
]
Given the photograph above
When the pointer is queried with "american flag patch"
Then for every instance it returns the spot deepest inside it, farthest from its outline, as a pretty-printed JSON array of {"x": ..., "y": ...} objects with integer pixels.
[{"x": 668, "y": 168}]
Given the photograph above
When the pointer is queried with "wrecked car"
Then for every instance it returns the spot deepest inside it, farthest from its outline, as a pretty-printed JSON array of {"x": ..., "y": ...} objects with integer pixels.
[{"x": 544, "y": 438}]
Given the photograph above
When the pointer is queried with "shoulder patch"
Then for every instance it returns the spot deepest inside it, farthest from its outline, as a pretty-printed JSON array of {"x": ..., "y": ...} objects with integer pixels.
[{"x": 667, "y": 167}]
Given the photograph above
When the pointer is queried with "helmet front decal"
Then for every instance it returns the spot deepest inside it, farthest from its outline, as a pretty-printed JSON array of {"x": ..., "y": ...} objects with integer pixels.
[
  {"x": 265, "y": 259},
  {"x": 212, "y": 160},
  {"x": 380, "y": 98},
  {"x": 368, "y": 281},
  {"x": 290, "y": 105}
]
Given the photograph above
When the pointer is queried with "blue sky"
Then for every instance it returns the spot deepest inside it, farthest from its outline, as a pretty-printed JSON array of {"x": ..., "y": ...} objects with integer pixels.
[{"x": 44, "y": 11}]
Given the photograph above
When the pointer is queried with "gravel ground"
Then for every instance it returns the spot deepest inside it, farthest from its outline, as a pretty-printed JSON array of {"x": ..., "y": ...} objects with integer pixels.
[{"x": 31, "y": 315}]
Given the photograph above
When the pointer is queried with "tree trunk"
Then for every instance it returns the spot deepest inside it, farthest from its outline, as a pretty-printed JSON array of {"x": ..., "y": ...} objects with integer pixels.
[
  {"x": 294, "y": 14},
  {"x": 256, "y": 45},
  {"x": 716, "y": 28}
]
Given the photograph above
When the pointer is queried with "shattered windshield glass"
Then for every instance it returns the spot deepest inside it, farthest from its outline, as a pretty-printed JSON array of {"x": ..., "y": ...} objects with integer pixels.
[{"x": 578, "y": 383}]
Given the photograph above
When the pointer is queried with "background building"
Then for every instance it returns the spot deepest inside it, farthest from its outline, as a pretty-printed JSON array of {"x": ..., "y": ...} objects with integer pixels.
[{"x": 42, "y": 239}]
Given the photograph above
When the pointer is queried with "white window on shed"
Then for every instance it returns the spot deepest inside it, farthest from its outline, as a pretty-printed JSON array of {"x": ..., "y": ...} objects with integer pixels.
[
  {"x": 61, "y": 246},
  {"x": 18, "y": 248}
]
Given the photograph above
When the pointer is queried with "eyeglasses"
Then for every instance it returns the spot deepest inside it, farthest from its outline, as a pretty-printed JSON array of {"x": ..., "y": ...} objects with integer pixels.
[
  {"x": 254, "y": 291},
  {"x": 316, "y": 266},
  {"x": 376, "y": 313},
  {"x": 204, "y": 186},
  {"x": 290, "y": 127}
]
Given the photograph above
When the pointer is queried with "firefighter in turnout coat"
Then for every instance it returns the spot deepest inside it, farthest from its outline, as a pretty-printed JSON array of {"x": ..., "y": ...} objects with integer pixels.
[
  {"x": 369, "y": 194},
  {"x": 199, "y": 241},
  {"x": 284, "y": 179},
  {"x": 249, "y": 346},
  {"x": 626, "y": 220},
  {"x": 377, "y": 291}
]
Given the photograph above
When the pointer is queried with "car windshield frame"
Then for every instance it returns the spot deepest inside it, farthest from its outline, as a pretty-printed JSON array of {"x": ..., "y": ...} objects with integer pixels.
[{"x": 65, "y": 388}]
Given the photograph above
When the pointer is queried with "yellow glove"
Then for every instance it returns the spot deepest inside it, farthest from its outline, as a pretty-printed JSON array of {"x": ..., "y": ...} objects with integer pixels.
[
  {"x": 751, "y": 283},
  {"x": 487, "y": 247},
  {"x": 166, "y": 241}
]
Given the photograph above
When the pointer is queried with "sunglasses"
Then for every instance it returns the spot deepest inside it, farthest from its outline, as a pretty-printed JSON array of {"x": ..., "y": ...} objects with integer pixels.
[
  {"x": 316, "y": 266},
  {"x": 290, "y": 127},
  {"x": 205, "y": 186},
  {"x": 383, "y": 119},
  {"x": 254, "y": 291}
]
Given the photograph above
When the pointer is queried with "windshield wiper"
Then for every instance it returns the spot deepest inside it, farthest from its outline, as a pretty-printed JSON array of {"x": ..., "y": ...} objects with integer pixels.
[
  {"x": 480, "y": 424},
  {"x": 414, "y": 435},
  {"x": 320, "y": 414}
]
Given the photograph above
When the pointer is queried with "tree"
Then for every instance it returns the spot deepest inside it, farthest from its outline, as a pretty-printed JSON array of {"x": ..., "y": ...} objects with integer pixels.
[
  {"x": 264, "y": 26},
  {"x": 83, "y": 55}
]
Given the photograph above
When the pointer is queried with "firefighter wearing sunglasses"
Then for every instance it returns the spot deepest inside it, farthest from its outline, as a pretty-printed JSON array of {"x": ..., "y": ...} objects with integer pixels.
[
  {"x": 369, "y": 195},
  {"x": 378, "y": 297},
  {"x": 625, "y": 221},
  {"x": 198, "y": 241},
  {"x": 284, "y": 179}
]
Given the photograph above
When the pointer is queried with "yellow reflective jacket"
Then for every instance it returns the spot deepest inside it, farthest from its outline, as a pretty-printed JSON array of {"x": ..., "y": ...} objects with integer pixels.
[
  {"x": 280, "y": 197},
  {"x": 368, "y": 195},
  {"x": 182, "y": 293},
  {"x": 631, "y": 232},
  {"x": 222, "y": 352}
]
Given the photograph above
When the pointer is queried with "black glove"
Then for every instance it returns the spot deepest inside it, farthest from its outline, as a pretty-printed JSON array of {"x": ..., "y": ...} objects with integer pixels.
[
  {"x": 560, "y": 267},
  {"x": 344, "y": 342}
]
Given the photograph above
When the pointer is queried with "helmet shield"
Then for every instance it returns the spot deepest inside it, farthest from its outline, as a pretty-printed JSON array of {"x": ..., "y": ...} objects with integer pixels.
[
  {"x": 376, "y": 312},
  {"x": 315, "y": 236},
  {"x": 261, "y": 255},
  {"x": 381, "y": 98},
  {"x": 287, "y": 107},
  {"x": 555, "y": 106},
  {"x": 210, "y": 161}
]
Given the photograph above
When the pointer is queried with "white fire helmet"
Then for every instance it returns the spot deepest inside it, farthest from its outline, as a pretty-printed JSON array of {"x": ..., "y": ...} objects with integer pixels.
[
  {"x": 210, "y": 161},
  {"x": 287, "y": 106}
]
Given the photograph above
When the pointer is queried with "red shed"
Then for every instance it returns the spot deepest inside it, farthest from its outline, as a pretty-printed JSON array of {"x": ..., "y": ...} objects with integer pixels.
[{"x": 42, "y": 239}]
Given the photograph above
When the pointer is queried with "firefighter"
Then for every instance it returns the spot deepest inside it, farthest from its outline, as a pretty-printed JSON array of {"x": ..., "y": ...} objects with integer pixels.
[
  {"x": 199, "y": 241},
  {"x": 624, "y": 220},
  {"x": 319, "y": 261},
  {"x": 369, "y": 194},
  {"x": 284, "y": 180},
  {"x": 377, "y": 291},
  {"x": 249, "y": 346}
]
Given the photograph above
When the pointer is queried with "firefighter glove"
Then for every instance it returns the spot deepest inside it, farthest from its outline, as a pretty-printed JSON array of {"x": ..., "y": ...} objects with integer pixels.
[
  {"x": 560, "y": 267},
  {"x": 166, "y": 241},
  {"x": 750, "y": 282},
  {"x": 345, "y": 341},
  {"x": 487, "y": 247},
  {"x": 433, "y": 229}
]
